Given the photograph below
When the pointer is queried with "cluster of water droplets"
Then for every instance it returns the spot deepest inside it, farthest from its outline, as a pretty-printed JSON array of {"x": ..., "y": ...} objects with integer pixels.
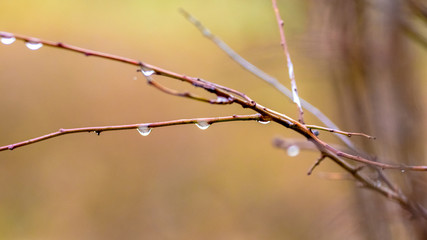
[
  {"x": 144, "y": 130},
  {"x": 7, "y": 39},
  {"x": 293, "y": 151},
  {"x": 203, "y": 125}
]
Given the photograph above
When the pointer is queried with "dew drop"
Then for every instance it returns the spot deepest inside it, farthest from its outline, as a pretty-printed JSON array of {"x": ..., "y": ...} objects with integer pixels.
[
  {"x": 263, "y": 122},
  {"x": 33, "y": 45},
  {"x": 7, "y": 40},
  {"x": 144, "y": 130},
  {"x": 202, "y": 125},
  {"x": 402, "y": 171},
  {"x": 147, "y": 73},
  {"x": 293, "y": 151},
  {"x": 221, "y": 99}
]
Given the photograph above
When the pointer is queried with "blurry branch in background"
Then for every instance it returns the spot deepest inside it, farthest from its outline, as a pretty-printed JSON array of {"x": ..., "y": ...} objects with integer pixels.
[
  {"x": 262, "y": 75},
  {"x": 414, "y": 33},
  {"x": 420, "y": 8},
  {"x": 143, "y": 128},
  {"x": 226, "y": 95}
]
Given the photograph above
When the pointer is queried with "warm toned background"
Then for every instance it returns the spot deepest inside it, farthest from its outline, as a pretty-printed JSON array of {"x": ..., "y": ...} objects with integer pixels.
[{"x": 227, "y": 182}]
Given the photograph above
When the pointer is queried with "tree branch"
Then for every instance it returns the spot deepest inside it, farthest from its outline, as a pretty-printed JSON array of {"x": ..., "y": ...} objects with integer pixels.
[
  {"x": 242, "y": 100},
  {"x": 295, "y": 96},
  {"x": 263, "y": 75},
  {"x": 98, "y": 130}
]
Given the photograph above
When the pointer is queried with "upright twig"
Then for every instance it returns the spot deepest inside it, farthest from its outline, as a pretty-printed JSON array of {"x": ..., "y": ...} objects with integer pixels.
[{"x": 295, "y": 96}]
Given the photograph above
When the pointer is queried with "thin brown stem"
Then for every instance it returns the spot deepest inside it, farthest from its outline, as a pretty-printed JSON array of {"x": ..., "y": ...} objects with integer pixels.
[
  {"x": 295, "y": 96},
  {"x": 176, "y": 93},
  {"x": 374, "y": 163},
  {"x": 348, "y": 134},
  {"x": 99, "y": 129},
  {"x": 318, "y": 161}
]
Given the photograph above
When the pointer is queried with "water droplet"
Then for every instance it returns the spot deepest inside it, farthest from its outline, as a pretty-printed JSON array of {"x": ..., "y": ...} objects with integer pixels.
[
  {"x": 144, "y": 130},
  {"x": 263, "y": 122},
  {"x": 135, "y": 78},
  {"x": 402, "y": 171},
  {"x": 7, "y": 40},
  {"x": 293, "y": 151},
  {"x": 203, "y": 125},
  {"x": 221, "y": 99},
  {"x": 33, "y": 45},
  {"x": 147, "y": 73}
]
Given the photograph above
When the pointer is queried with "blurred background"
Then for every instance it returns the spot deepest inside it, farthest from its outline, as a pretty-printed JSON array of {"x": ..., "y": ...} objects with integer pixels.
[{"x": 351, "y": 60}]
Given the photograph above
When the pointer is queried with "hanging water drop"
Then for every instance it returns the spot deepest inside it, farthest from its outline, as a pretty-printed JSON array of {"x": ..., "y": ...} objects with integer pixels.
[
  {"x": 147, "y": 73},
  {"x": 263, "y": 122},
  {"x": 7, "y": 40},
  {"x": 144, "y": 130},
  {"x": 221, "y": 99},
  {"x": 293, "y": 151},
  {"x": 33, "y": 45},
  {"x": 202, "y": 125}
]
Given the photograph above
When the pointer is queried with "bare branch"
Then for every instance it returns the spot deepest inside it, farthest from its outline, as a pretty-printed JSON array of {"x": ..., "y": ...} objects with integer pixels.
[
  {"x": 263, "y": 75},
  {"x": 175, "y": 93},
  {"x": 242, "y": 100},
  {"x": 220, "y": 91},
  {"x": 374, "y": 163},
  {"x": 348, "y": 134},
  {"x": 98, "y": 130},
  {"x": 295, "y": 96},
  {"x": 318, "y": 161}
]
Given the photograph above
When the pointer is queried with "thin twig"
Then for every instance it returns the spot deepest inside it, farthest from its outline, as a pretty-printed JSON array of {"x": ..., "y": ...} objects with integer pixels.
[
  {"x": 176, "y": 93},
  {"x": 348, "y": 134},
  {"x": 318, "y": 161},
  {"x": 374, "y": 163},
  {"x": 98, "y": 130},
  {"x": 295, "y": 96}
]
